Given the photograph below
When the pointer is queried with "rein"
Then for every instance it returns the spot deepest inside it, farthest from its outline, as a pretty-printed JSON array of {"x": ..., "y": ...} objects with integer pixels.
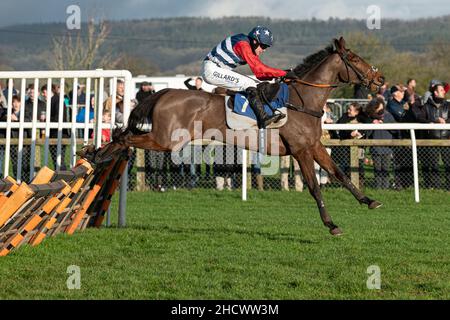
[
  {"x": 302, "y": 107},
  {"x": 315, "y": 85}
]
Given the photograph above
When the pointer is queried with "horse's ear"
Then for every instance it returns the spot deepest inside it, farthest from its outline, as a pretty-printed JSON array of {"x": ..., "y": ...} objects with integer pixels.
[
  {"x": 342, "y": 42},
  {"x": 337, "y": 45}
]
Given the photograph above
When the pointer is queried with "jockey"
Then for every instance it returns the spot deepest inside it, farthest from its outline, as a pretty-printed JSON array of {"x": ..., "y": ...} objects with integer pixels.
[{"x": 241, "y": 49}]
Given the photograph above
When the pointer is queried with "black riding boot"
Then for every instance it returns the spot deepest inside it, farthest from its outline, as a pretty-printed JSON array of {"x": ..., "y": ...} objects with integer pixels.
[{"x": 255, "y": 103}]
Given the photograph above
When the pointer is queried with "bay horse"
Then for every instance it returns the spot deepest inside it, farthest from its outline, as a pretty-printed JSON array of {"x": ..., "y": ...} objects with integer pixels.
[{"x": 318, "y": 75}]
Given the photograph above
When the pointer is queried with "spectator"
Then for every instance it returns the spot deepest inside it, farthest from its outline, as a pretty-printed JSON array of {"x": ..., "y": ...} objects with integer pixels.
[
  {"x": 198, "y": 84},
  {"x": 255, "y": 168},
  {"x": 353, "y": 115},
  {"x": 328, "y": 117},
  {"x": 225, "y": 166},
  {"x": 119, "y": 103},
  {"x": 383, "y": 92},
  {"x": 81, "y": 114},
  {"x": 360, "y": 92},
  {"x": 54, "y": 117},
  {"x": 154, "y": 170},
  {"x": 41, "y": 107},
  {"x": 285, "y": 170},
  {"x": 437, "y": 109},
  {"x": 429, "y": 92},
  {"x": 410, "y": 94},
  {"x": 381, "y": 156},
  {"x": 106, "y": 132},
  {"x": 3, "y": 103},
  {"x": 5, "y": 91},
  {"x": 107, "y": 105},
  {"x": 81, "y": 96},
  {"x": 119, "y": 118},
  {"x": 145, "y": 91},
  {"x": 402, "y": 156},
  {"x": 397, "y": 106},
  {"x": 423, "y": 153},
  {"x": 26, "y": 149},
  {"x": 172, "y": 172}
]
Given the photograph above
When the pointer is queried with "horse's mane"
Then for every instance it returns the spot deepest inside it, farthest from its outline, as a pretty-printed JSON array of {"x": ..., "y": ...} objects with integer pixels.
[{"x": 312, "y": 60}]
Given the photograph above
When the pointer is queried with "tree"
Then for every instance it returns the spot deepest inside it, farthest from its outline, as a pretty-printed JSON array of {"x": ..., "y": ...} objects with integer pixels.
[
  {"x": 137, "y": 65},
  {"x": 438, "y": 60},
  {"x": 82, "y": 52}
]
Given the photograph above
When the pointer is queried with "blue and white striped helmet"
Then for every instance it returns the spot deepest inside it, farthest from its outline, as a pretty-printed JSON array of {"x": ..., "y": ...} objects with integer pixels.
[{"x": 262, "y": 35}]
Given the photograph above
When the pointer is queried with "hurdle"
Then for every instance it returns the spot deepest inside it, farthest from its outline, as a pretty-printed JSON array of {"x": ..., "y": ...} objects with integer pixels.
[
  {"x": 80, "y": 174},
  {"x": 57, "y": 202}
]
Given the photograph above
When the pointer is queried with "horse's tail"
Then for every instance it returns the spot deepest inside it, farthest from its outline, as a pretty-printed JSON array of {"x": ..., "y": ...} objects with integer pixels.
[{"x": 143, "y": 111}]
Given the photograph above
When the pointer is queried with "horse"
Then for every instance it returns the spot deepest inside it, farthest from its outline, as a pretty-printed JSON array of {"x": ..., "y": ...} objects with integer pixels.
[{"x": 320, "y": 73}]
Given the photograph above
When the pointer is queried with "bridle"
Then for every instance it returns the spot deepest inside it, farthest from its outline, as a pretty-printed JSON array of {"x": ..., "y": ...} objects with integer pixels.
[{"x": 363, "y": 78}]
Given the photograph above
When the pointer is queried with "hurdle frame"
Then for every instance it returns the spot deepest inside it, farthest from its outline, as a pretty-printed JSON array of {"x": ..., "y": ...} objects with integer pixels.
[{"x": 94, "y": 78}]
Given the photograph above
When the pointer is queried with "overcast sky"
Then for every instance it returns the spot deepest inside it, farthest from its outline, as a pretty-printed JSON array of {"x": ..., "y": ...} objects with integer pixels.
[{"x": 28, "y": 11}]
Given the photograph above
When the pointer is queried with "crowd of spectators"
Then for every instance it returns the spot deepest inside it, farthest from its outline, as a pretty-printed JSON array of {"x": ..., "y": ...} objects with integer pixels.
[
  {"x": 392, "y": 165},
  {"x": 401, "y": 104},
  {"x": 32, "y": 94}
]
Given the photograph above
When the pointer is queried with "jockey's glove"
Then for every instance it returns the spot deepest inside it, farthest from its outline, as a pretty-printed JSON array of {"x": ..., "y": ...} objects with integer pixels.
[{"x": 290, "y": 75}]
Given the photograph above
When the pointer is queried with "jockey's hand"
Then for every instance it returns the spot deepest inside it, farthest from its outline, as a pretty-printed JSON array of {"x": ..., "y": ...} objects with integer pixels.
[{"x": 290, "y": 75}]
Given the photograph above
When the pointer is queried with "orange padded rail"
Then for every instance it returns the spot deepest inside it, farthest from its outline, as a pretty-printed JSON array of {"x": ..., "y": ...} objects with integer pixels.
[
  {"x": 43, "y": 176},
  {"x": 112, "y": 188},
  {"x": 90, "y": 197},
  {"x": 18, "y": 238},
  {"x": 42, "y": 233},
  {"x": 14, "y": 202}
]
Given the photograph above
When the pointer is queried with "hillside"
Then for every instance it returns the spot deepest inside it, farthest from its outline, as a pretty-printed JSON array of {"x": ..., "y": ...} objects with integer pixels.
[{"x": 179, "y": 44}]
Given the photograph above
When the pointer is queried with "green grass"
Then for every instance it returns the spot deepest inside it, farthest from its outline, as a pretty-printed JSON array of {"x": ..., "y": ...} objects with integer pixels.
[{"x": 211, "y": 245}]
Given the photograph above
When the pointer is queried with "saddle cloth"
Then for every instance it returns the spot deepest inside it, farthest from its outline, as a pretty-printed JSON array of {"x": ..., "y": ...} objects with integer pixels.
[{"x": 240, "y": 115}]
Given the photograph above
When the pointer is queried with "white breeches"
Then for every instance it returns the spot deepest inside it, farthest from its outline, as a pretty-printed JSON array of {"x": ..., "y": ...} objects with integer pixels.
[{"x": 225, "y": 78}]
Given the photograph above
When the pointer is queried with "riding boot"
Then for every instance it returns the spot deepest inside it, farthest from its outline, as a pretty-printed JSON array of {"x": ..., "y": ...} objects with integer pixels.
[{"x": 262, "y": 117}]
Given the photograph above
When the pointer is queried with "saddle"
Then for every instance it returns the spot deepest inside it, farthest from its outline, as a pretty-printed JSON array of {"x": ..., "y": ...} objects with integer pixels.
[
  {"x": 268, "y": 90},
  {"x": 240, "y": 116}
]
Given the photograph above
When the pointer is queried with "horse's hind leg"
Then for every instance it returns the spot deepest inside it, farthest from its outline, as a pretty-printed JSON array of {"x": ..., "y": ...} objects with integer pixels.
[
  {"x": 322, "y": 157},
  {"x": 145, "y": 141},
  {"x": 306, "y": 162}
]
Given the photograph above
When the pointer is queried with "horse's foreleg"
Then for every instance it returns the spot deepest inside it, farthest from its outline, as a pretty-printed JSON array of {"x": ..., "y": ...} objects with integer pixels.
[
  {"x": 306, "y": 162},
  {"x": 322, "y": 157}
]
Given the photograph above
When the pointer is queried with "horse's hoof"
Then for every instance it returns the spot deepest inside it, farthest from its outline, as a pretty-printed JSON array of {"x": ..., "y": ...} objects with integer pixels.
[
  {"x": 374, "y": 204},
  {"x": 336, "y": 232}
]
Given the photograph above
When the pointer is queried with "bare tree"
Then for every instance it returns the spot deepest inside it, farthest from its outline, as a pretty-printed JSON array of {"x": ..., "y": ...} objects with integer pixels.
[
  {"x": 137, "y": 65},
  {"x": 82, "y": 51}
]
